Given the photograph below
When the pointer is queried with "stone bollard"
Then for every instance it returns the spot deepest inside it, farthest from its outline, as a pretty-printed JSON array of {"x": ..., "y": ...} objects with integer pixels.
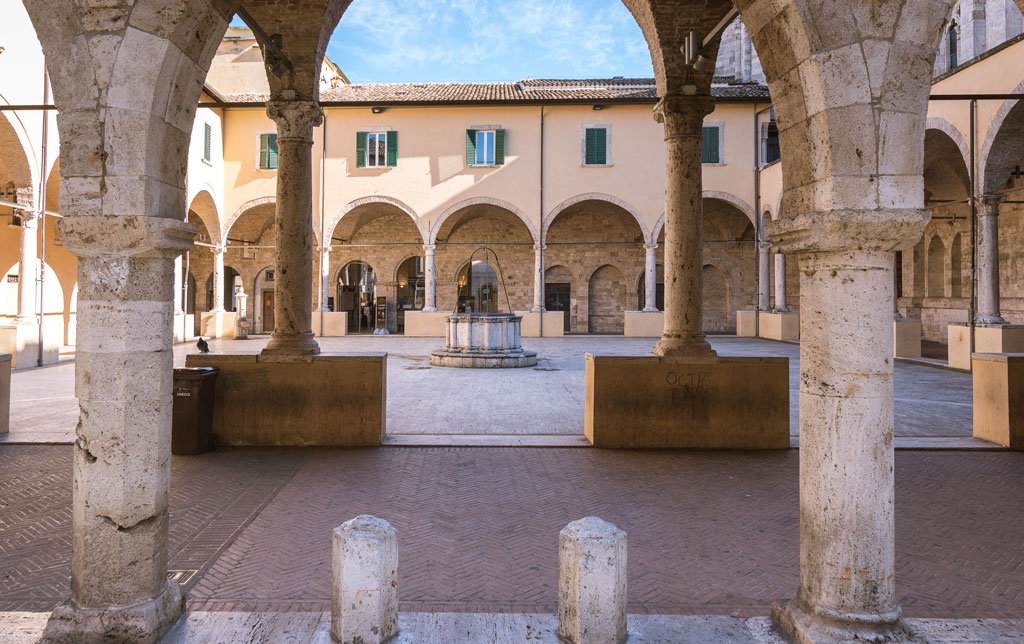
[
  {"x": 364, "y": 592},
  {"x": 592, "y": 582}
]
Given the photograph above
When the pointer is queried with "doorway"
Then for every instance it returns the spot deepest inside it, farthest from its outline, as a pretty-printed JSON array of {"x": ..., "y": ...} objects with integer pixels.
[
  {"x": 556, "y": 298},
  {"x": 267, "y": 310}
]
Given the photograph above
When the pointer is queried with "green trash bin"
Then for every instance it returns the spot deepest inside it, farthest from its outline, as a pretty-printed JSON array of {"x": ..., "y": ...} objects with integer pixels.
[{"x": 192, "y": 424}]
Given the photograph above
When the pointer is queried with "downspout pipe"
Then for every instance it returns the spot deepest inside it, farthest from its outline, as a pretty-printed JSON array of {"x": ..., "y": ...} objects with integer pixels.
[
  {"x": 972, "y": 307},
  {"x": 42, "y": 216},
  {"x": 541, "y": 233}
]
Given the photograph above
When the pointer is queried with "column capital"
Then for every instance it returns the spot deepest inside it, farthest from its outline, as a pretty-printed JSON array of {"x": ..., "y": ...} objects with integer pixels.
[
  {"x": 219, "y": 250},
  {"x": 326, "y": 249},
  {"x": 295, "y": 119},
  {"x": 429, "y": 248},
  {"x": 989, "y": 204},
  {"x": 683, "y": 114},
  {"x": 844, "y": 230},
  {"x": 106, "y": 236},
  {"x": 540, "y": 247},
  {"x": 28, "y": 217},
  {"x": 653, "y": 246}
]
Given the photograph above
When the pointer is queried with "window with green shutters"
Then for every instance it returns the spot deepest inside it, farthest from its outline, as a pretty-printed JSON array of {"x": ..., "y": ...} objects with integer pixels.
[
  {"x": 377, "y": 149},
  {"x": 268, "y": 151},
  {"x": 485, "y": 147},
  {"x": 710, "y": 149},
  {"x": 595, "y": 146},
  {"x": 207, "y": 140}
]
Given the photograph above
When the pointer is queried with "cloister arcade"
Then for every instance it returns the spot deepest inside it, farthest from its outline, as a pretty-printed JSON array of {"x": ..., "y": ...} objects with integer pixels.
[{"x": 849, "y": 82}]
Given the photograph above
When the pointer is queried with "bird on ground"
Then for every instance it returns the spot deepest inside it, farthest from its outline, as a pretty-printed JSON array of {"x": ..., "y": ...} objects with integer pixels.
[{"x": 203, "y": 346}]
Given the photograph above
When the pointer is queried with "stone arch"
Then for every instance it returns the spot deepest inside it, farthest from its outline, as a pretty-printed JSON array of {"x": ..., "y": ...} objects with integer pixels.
[
  {"x": 954, "y": 134},
  {"x": 945, "y": 170},
  {"x": 16, "y": 151},
  {"x": 204, "y": 205},
  {"x": 936, "y": 268},
  {"x": 504, "y": 205},
  {"x": 244, "y": 208},
  {"x": 593, "y": 196},
  {"x": 740, "y": 205},
  {"x": 607, "y": 300},
  {"x": 1004, "y": 145},
  {"x": 352, "y": 205}
]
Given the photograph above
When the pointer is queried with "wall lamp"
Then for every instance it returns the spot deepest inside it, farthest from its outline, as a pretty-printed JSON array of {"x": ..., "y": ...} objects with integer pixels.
[
  {"x": 598, "y": 107},
  {"x": 377, "y": 109}
]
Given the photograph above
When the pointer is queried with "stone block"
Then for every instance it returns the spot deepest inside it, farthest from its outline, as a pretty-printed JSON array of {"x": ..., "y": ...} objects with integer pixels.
[
  {"x": 640, "y": 324},
  {"x": 1004, "y": 338},
  {"x": 364, "y": 589},
  {"x": 22, "y": 342},
  {"x": 746, "y": 324},
  {"x": 906, "y": 335},
  {"x": 999, "y": 398},
  {"x": 591, "y": 583},
  {"x": 554, "y": 324},
  {"x": 217, "y": 325},
  {"x": 648, "y": 401},
  {"x": 5, "y": 392},
  {"x": 425, "y": 324},
  {"x": 335, "y": 324},
  {"x": 780, "y": 326},
  {"x": 330, "y": 399}
]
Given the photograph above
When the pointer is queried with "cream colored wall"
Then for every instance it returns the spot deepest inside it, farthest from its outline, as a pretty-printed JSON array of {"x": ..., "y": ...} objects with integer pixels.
[
  {"x": 432, "y": 177},
  {"x": 207, "y": 175}
]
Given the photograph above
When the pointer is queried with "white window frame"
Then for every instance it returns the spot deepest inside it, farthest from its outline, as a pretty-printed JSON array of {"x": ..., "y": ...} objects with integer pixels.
[
  {"x": 607, "y": 145},
  {"x": 721, "y": 142},
  {"x": 380, "y": 163},
  {"x": 494, "y": 141},
  {"x": 259, "y": 135}
]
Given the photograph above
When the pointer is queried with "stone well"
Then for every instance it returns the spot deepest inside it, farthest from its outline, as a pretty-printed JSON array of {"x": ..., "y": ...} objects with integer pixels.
[{"x": 483, "y": 341}]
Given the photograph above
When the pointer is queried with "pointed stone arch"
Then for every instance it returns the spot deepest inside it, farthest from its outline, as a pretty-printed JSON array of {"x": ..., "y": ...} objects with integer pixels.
[
  {"x": 204, "y": 205},
  {"x": 1004, "y": 145},
  {"x": 593, "y": 196},
  {"x": 332, "y": 224}
]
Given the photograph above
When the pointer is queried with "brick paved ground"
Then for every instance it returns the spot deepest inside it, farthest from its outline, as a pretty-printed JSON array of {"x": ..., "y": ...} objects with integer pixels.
[{"x": 709, "y": 532}]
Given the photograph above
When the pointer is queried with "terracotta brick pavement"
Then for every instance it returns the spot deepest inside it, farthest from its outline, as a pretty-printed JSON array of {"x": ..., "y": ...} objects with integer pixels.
[{"x": 709, "y": 532}]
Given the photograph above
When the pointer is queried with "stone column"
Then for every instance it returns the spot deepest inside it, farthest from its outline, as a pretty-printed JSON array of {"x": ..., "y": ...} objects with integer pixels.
[
  {"x": 293, "y": 299},
  {"x": 364, "y": 588},
  {"x": 429, "y": 279},
  {"x": 121, "y": 456},
  {"x": 763, "y": 276},
  {"x": 651, "y": 278},
  {"x": 591, "y": 583},
  {"x": 538, "y": 277},
  {"x": 28, "y": 268},
  {"x": 325, "y": 276},
  {"x": 218, "y": 279},
  {"x": 988, "y": 260},
  {"x": 683, "y": 117},
  {"x": 847, "y": 562},
  {"x": 780, "y": 284}
]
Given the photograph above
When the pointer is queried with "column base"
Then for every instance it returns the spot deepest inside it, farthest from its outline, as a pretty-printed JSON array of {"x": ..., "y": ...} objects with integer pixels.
[
  {"x": 298, "y": 345},
  {"x": 143, "y": 623},
  {"x": 691, "y": 346},
  {"x": 1000, "y": 338},
  {"x": 746, "y": 323},
  {"x": 906, "y": 334},
  {"x": 779, "y": 325},
  {"x": 807, "y": 628}
]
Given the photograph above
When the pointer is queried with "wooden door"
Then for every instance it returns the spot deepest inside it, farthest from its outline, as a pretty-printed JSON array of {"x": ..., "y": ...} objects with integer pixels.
[{"x": 268, "y": 311}]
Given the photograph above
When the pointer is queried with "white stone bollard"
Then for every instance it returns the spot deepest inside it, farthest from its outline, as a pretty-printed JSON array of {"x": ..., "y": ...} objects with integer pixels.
[
  {"x": 364, "y": 593},
  {"x": 592, "y": 582}
]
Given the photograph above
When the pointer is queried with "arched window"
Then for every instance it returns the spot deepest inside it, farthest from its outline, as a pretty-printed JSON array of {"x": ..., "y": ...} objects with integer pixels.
[
  {"x": 478, "y": 288},
  {"x": 954, "y": 38}
]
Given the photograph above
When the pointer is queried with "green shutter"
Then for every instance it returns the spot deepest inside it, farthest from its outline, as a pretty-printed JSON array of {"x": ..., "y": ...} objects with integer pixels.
[
  {"x": 709, "y": 146},
  {"x": 601, "y": 146},
  {"x": 263, "y": 151},
  {"x": 207, "y": 140},
  {"x": 272, "y": 151},
  {"x": 392, "y": 149},
  {"x": 590, "y": 146},
  {"x": 499, "y": 147},
  {"x": 470, "y": 147},
  {"x": 360, "y": 149}
]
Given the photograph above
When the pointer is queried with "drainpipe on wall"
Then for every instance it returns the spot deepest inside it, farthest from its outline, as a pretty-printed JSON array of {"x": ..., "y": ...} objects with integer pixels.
[
  {"x": 758, "y": 232},
  {"x": 541, "y": 233},
  {"x": 42, "y": 218},
  {"x": 974, "y": 228}
]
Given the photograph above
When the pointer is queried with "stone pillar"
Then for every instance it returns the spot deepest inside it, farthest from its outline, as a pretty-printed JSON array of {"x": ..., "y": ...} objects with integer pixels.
[
  {"x": 538, "y": 277},
  {"x": 218, "y": 279},
  {"x": 364, "y": 592},
  {"x": 429, "y": 279},
  {"x": 651, "y": 278},
  {"x": 763, "y": 276},
  {"x": 28, "y": 269},
  {"x": 988, "y": 260},
  {"x": 591, "y": 583},
  {"x": 683, "y": 117},
  {"x": 847, "y": 562},
  {"x": 293, "y": 299},
  {"x": 121, "y": 459},
  {"x": 780, "y": 284},
  {"x": 325, "y": 276}
]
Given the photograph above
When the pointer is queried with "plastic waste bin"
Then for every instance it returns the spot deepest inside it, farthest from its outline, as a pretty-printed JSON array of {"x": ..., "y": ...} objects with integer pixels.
[{"x": 192, "y": 424}]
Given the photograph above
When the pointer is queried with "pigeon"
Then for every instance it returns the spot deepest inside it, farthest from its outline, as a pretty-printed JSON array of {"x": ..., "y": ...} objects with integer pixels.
[{"x": 203, "y": 347}]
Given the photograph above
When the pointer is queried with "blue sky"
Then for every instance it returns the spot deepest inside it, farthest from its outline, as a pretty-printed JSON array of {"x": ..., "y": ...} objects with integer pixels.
[{"x": 382, "y": 41}]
